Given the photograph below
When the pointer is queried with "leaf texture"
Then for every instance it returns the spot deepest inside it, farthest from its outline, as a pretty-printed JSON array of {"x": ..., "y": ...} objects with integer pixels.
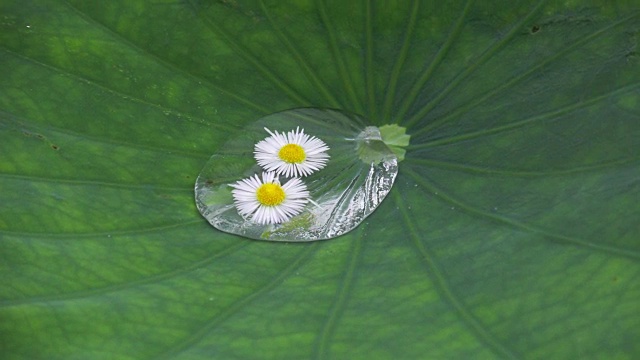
[{"x": 511, "y": 231}]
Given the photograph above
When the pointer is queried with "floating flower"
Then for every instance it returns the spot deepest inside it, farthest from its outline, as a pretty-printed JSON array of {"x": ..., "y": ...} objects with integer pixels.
[
  {"x": 292, "y": 154},
  {"x": 268, "y": 202}
]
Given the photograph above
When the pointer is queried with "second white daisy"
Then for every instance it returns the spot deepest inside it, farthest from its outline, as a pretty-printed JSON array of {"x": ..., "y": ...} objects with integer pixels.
[
  {"x": 266, "y": 201},
  {"x": 292, "y": 154}
]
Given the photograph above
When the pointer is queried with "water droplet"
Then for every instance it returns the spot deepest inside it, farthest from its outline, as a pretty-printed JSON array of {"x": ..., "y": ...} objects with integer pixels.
[{"x": 359, "y": 175}]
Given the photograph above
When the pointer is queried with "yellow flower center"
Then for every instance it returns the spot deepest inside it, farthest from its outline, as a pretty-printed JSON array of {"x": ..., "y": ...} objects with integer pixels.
[
  {"x": 292, "y": 153},
  {"x": 270, "y": 194}
]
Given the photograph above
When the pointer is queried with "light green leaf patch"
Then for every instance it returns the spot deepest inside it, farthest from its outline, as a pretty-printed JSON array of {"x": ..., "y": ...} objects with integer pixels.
[{"x": 396, "y": 139}]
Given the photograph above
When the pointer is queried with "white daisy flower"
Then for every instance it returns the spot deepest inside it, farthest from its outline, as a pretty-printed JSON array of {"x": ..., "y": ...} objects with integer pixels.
[
  {"x": 292, "y": 154},
  {"x": 266, "y": 201}
]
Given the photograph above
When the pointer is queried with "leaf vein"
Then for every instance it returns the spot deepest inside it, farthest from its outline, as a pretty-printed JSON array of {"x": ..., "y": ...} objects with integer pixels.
[
  {"x": 412, "y": 96},
  {"x": 126, "y": 285},
  {"x": 309, "y": 72},
  {"x": 473, "y": 67},
  {"x": 22, "y": 122},
  {"x": 321, "y": 347},
  {"x": 103, "y": 87},
  {"x": 250, "y": 58},
  {"x": 476, "y": 326},
  {"x": 93, "y": 183},
  {"x": 213, "y": 322},
  {"x": 108, "y": 233},
  {"x": 515, "y": 80},
  {"x": 347, "y": 80},
  {"x": 629, "y": 253},
  {"x": 164, "y": 63},
  {"x": 369, "y": 71},
  {"x": 554, "y": 114},
  {"x": 397, "y": 67},
  {"x": 474, "y": 169}
]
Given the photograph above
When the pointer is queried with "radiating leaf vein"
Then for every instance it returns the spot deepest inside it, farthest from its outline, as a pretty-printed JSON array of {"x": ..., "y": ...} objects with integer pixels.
[
  {"x": 550, "y": 115},
  {"x": 238, "y": 305},
  {"x": 108, "y": 233},
  {"x": 411, "y": 97},
  {"x": 124, "y": 96},
  {"x": 523, "y": 76},
  {"x": 166, "y": 64},
  {"x": 345, "y": 75},
  {"x": 304, "y": 65},
  {"x": 126, "y": 285},
  {"x": 399, "y": 63},
  {"x": 23, "y": 123},
  {"x": 474, "y": 169},
  {"x": 369, "y": 54},
  {"x": 443, "y": 195},
  {"x": 264, "y": 69},
  {"x": 476, "y": 326},
  {"x": 486, "y": 55},
  {"x": 321, "y": 347},
  {"x": 102, "y": 184}
]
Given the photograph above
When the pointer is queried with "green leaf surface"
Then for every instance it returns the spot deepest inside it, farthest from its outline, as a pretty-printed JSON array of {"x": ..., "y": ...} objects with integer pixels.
[{"x": 511, "y": 230}]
